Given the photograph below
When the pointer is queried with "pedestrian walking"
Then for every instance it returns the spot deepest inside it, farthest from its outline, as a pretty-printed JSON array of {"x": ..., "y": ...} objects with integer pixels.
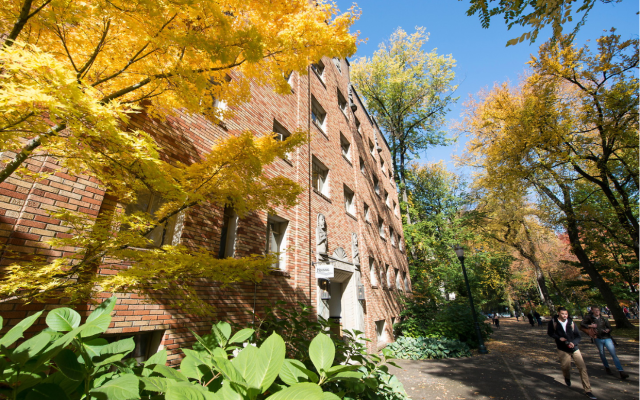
[
  {"x": 567, "y": 337},
  {"x": 625, "y": 310},
  {"x": 517, "y": 316},
  {"x": 603, "y": 339},
  {"x": 607, "y": 311},
  {"x": 522, "y": 315},
  {"x": 496, "y": 320},
  {"x": 530, "y": 317},
  {"x": 538, "y": 318}
]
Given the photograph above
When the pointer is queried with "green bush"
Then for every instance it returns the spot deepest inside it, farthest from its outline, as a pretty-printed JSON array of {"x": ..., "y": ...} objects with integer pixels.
[
  {"x": 428, "y": 348},
  {"x": 68, "y": 361},
  {"x": 451, "y": 320}
]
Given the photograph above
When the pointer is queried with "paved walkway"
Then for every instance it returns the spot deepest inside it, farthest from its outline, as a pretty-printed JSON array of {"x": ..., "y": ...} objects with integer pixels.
[{"x": 522, "y": 364}]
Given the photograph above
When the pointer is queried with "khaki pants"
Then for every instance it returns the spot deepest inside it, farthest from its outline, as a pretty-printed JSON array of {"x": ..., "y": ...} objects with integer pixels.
[{"x": 565, "y": 365}]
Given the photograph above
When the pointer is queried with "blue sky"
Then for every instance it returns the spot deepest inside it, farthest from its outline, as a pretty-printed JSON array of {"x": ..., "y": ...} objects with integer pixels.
[{"x": 481, "y": 55}]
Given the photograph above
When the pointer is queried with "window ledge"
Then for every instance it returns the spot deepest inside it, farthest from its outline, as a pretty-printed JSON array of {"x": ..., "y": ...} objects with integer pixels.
[
  {"x": 280, "y": 272},
  {"x": 319, "y": 77},
  {"x": 347, "y": 160},
  {"x": 322, "y": 195},
  {"x": 351, "y": 215},
  {"x": 288, "y": 161},
  {"x": 320, "y": 129},
  {"x": 374, "y": 286}
]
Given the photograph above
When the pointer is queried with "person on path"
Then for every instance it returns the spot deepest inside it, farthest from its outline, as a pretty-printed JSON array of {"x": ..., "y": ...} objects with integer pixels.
[
  {"x": 567, "y": 337},
  {"x": 517, "y": 316},
  {"x": 538, "y": 318},
  {"x": 522, "y": 315},
  {"x": 530, "y": 317},
  {"x": 607, "y": 311},
  {"x": 603, "y": 339},
  {"x": 625, "y": 310},
  {"x": 496, "y": 320}
]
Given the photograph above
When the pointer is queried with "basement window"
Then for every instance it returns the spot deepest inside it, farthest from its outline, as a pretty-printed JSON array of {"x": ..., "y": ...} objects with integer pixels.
[{"x": 146, "y": 344}]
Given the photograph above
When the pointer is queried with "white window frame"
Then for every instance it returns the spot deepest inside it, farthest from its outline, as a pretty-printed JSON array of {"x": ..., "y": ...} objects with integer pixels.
[
  {"x": 358, "y": 125},
  {"x": 318, "y": 115},
  {"x": 381, "y": 227},
  {"x": 392, "y": 235},
  {"x": 280, "y": 239},
  {"x": 387, "y": 277},
  {"x": 386, "y": 198},
  {"x": 337, "y": 62},
  {"x": 231, "y": 234},
  {"x": 398, "y": 279},
  {"x": 372, "y": 148},
  {"x": 319, "y": 69},
  {"x": 381, "y": 334},
  {"x": 376, "y": 185},
  {"x": 321, "y": 185},
  {"x": 344, "y": 143},
  {"x": 367, "y": 212},
  {"x": 373, "y": 274},
  {"x": 342, "y": 103},
  {"x": 172, "y": 228},
  {"x": 349, "y": 200}
]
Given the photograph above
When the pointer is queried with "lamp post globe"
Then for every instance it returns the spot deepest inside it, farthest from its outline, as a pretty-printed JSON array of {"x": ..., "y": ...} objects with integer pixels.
[{"x": 460, "y": 253}]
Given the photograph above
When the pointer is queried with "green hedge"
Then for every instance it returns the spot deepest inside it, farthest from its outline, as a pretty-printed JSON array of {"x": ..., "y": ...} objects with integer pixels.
[{"x": 421, "y": 348}]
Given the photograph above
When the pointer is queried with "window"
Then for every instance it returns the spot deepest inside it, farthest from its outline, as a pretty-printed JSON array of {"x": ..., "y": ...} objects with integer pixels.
[
  {"x": 395, "y": 209},
  {"x": 281, "y": 133},
  {"x": 398, "y": 279},
  {"x": 392, "y": 235},
  {"x": 318, "y": 115},
  {"x": 376, "y": 185},
  {"x": 391, "y": 181},
  {"x": 400, "y": 243},
  {"x": 348, "y": 201},
  {"x": 382, "y": 165},
  {"x": 405, "y": 279},
  {"x": 372, "y": 272},
  {"x": 371, "y": 148},
  {"x": 362, "y": 167},
  {"x": 358, "y": 126},
  {"x": 346, "y": 147},
  {"x": 388, "y": 275},
  {"x": 228, "y": 233},
  {"x": 382, "y": 278},
  {"x": 337, "y": 63},
  {"x": 381, "y": 227},
  {"x": 319, "y": 69},
  {"x": 342, "y": 103},
  {"x": 380, "y": 330},
  {"x": 168, "y": 233},
  {"x": 277, "y": 238},
  {"x": 367, "y": 214},
  {"x": 319, "y": 177},
  {"x": 146, "y": 344},
  {"x": 386, "y": 198},
  {"x": 288, "y": 76}
]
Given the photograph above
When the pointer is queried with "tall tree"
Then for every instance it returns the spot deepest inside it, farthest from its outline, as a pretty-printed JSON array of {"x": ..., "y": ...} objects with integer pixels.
[
  {"x": 72, "y": 73},
  {"x": 409, "y": 92},
  {"x": 573, "y": 121},
  {"x": 534, "y": 14}
]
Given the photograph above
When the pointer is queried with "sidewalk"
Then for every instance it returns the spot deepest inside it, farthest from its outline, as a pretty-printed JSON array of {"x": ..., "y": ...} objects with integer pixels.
[{"x": 521, "y": 364}]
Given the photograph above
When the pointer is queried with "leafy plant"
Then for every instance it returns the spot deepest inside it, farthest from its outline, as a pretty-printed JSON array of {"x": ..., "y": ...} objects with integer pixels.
[
  {"x": 68, "y": 361},
  {"x": 428, "y": 348}
]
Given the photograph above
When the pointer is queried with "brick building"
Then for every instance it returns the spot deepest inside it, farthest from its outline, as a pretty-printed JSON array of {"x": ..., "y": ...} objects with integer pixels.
[{"x": 349, "y": 217}]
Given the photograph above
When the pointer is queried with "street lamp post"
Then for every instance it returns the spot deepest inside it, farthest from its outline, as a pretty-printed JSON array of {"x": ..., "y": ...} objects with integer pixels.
[{"x": 460, "y": 253}]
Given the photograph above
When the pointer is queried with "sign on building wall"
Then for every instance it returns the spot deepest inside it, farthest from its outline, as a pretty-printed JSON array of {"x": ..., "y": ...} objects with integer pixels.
[{"x": 324, "y": 271}]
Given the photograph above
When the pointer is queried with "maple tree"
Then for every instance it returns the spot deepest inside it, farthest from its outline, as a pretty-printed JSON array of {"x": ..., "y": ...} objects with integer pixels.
[
  {"x": 572, "y": 121},
  {"x": 408, "y": 91},
  {"x": 74, "y": 73}
]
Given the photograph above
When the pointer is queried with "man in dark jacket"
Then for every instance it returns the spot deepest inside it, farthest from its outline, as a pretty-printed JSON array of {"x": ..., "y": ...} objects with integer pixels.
[
  {"x": 567, "y": 336},
  {"x": 603, "y": 338}
]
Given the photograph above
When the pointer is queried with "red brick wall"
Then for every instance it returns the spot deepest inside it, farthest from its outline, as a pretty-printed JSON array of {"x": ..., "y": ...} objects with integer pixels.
[{"x": 25, "y": 225}]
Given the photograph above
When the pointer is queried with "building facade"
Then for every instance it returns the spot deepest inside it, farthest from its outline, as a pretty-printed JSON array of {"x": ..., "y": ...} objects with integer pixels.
[{"x": 348, "y": 220}]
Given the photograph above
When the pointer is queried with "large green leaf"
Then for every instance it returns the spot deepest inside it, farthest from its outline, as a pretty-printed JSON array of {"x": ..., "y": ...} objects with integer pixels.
[
  {"x": 63, "y": 319},
  {"x": 260, "y": 368},
  {"x": 114, "y": 351},
  {"x": 170, "y": 373},
  {"x": 291, "y": 372},
  {"x": 57, "y": 346},
  {"x": 241, "y": 336},
  {"x": 68, "y": 385},
  {"x": 122, "y": 388},
  {"x": 187, "y": 391},
  {"x": 97, "y": 325},
  {"x": 222, "y": 331},
  {"x": 196, "y": 364},
  {"x": 228, "y": 370},
  {"x": 16, "y": 332},
  {"x": 299, "y": 391},
  {"x": 93, "y": 347},
  {"x": 322, "y": 351},
  {"x": 155, "y": 383},
  {"x": 106, "y": 307},
  {"x": 158, "y": 358},
  {"x": 68, "y": 364},
  {"x": 329, "y": 396},
  {"x": 46, "y": 391},
  {"x": 30, "y": 348}
]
